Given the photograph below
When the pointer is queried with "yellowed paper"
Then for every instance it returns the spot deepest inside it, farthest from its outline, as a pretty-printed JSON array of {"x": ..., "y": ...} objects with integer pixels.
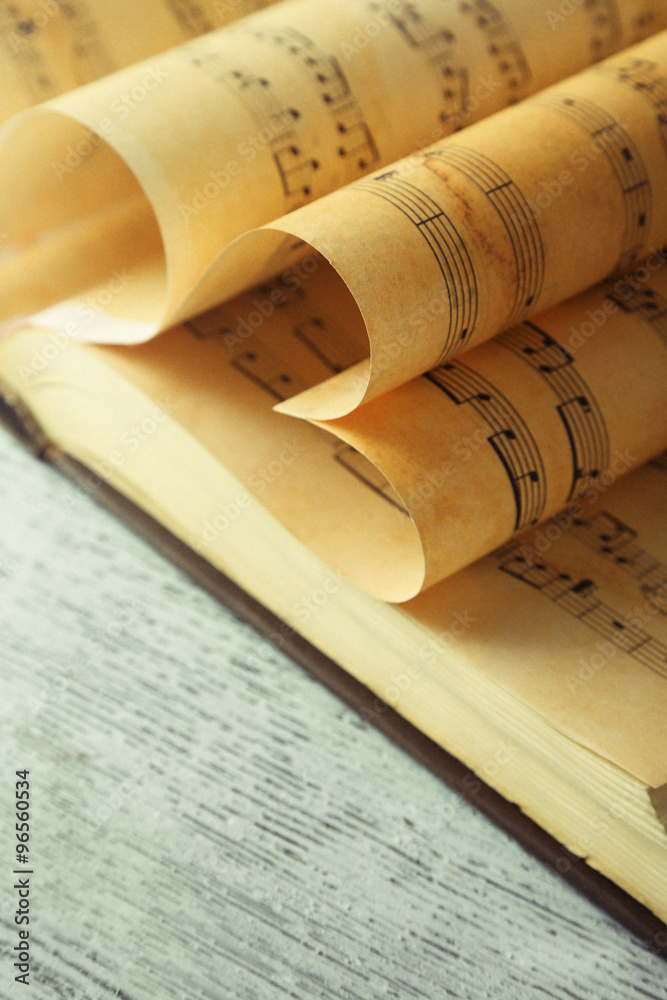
[
  {"x": 569, "y": 618},
  {"x": 572, "y": 620},
  {"x": 244, "y": 124},
  {"x": 48, "y": 47},
  {"x": 450, "y": 246},
  {"x": 433, "y": 475}
]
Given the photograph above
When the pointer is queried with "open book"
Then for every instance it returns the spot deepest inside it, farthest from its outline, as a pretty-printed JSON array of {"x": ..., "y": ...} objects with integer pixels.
[{"x": 413, "y": 406}]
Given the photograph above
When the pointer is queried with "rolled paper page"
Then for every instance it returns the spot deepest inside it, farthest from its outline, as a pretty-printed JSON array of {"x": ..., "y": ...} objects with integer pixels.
[
  {"x": 479, "y": 231},
  {"x": 144, "y": 177},
  {"x": 436, "y": 473},
  {"x": 541, "y": 419},
  {"x": 51, "y": 46}
]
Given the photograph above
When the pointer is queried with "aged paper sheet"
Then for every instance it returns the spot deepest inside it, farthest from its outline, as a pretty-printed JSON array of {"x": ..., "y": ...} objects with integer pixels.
[
  {"x": 292, "y": 103},
  {"x": 48, "y": 47}
]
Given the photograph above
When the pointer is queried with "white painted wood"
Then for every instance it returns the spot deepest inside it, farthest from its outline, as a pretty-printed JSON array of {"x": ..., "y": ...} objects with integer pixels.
[{"x": 209, "y": 821}]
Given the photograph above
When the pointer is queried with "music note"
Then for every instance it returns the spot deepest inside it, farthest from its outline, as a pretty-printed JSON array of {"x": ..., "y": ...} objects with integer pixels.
[
  {"x": 329, "y": 343},
  {"x": 616, "y": 541},
  {"x": 353, "y": 138},
  {"x": 517, "y": 219},
  {"x": 266, "y": 369},
  {"x": 503, "y": 45},
  {"x": 582, "y": 418},
  {"x": 580, "y": 600},
  {"x": 507, "y": 434},
  {"x": 606, "y": 27},
  {"x": 437, "y": 43},
  {"x": 647, "y": 303},
  {"x": 446, "y": 245},
  {"x": 645, "y": 77},
  {"x": 626, "y": 162}
]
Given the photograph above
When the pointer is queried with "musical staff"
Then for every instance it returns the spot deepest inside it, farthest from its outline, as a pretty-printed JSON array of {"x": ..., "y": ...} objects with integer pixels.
[
  {"x": 446, "y": 245},
  {"x": 579, "y": 599},
  {"x": 25, "y": 43},
  {"x": 517, "y": 218},
  {"x": 508, "y": 435},
  {"x": 649, "y": 305},
  {"x": 329, "y": 343},
  {"x": 278, "y": 124},
  {"x": 503, "y": 45},
  {"x": 644, "y": 76},
  {"x": 438, "y": 45},
  {"x": 354, "y": 143},
  {"x": 616, "y": 541},
  {"x": 577, "y": 408},
  {"x": 363, "y": 470},
  {"x": 268, "y": 370},
  {"x": 624, "y": 158}
]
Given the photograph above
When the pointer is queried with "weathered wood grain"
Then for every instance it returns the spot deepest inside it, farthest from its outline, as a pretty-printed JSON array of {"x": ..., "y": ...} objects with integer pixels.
[{"x": 209, "y": 821}]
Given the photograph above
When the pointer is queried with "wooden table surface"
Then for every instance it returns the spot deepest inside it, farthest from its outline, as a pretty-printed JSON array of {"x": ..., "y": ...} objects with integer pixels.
[{"x": 210, "y": 821}]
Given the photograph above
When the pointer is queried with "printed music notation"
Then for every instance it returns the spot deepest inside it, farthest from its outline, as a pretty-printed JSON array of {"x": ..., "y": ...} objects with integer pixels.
[
  {"x": 304, "y": 349},
  {"x": 327, "y": 341},
  {"x": 579, "y": 599},
  {"x": 278, "y": 124},
  {"x": 268, "y": 370},
  {"x": 616, "y": 541},
  {"x": 616, "y": 145},
  {"x": 605, "y": 27},
  {"x": 18, "y": 43},
  {"x": 514, "y": 211},
  {"x": 577, "y": 408},
  {"x": 644, "y": 76},
  {"x": 446, "y": 245},
  {"x": 508, "y": 435},
  {"x": 438, "y": 44},
  {"x": 367, "y": 473},
  {"x": 354, "y": 142},
  {"x": 503, "y": 45},
  {"x": 23, "y": 42},
  {"x": 649, "y": 305}
]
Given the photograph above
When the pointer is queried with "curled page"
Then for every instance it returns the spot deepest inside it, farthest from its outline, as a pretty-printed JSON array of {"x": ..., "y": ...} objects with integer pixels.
[
  {"x": 48, "y": 47},
  {"x": 477, "y": 232},
  {"x": 145, "y": 176},
  {"x": 434, "y": 474}
]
